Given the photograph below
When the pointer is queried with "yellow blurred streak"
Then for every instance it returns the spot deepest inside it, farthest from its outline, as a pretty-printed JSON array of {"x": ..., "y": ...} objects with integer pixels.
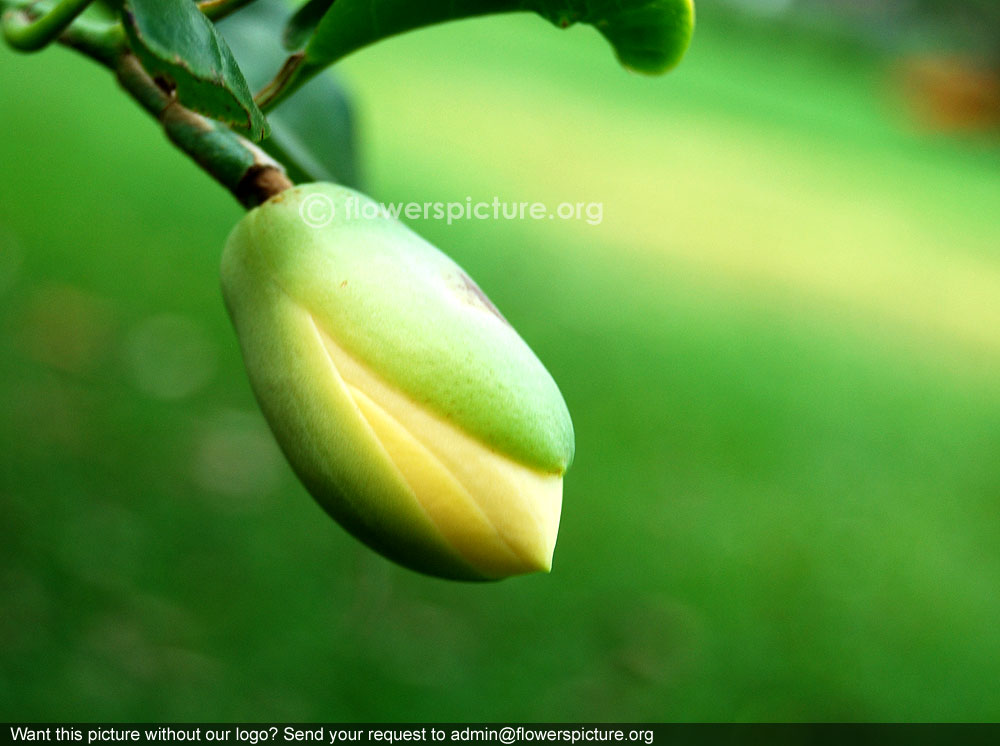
[{"x": 819, "y": 223}]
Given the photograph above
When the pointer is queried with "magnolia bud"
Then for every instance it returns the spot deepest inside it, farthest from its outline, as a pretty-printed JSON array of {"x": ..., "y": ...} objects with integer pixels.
[{"x": 405, "y": 402}]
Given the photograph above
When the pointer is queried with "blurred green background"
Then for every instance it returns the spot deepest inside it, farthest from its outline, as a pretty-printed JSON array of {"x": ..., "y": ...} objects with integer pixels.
[{"x": 780, "y": 349}]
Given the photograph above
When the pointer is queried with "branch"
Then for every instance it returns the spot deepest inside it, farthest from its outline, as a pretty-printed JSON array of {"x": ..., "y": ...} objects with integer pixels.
[
  {"x": 102, "y": 42},
  {"x": 249, "y": 173},
  {"x": 29, "y": 34}
]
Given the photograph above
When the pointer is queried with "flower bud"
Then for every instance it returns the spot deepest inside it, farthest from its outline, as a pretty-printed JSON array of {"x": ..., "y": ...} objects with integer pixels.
[{"x": 405, "y": 402}]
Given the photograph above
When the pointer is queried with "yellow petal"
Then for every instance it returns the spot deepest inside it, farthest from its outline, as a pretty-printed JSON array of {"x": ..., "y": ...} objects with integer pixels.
[{"x": 501, "y": 517}]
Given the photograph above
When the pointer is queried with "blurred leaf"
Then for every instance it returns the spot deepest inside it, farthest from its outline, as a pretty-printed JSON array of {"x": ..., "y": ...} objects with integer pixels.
[
  {"x": 648, "y": 36},
  {"x": 175, "y": 41},
  {"x": 302, "y": 25},
  {"x": 312, "y": 133}
]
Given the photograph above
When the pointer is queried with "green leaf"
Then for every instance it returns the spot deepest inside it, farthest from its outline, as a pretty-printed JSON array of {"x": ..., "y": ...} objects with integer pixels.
[
  {"x": 313, "y": 133},
  {"x": 175, "y": 42},
  {"x": 649, "y": 36}
]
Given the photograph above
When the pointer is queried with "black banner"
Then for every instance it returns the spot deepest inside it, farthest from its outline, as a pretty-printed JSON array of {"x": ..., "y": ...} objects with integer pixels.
[{"x": 561, "y": 734}]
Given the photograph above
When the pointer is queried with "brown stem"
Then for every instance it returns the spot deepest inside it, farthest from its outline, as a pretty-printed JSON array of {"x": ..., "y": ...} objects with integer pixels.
[{"x": 249, "y": 173}]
